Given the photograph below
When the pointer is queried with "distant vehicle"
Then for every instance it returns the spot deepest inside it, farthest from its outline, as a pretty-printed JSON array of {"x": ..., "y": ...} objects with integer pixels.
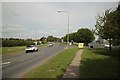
[
  {"x": 70, "y": 43},
  {"x": 49, "y": 45},
  {"x": 91, "y": 44},
  {"x": 107, "y": 45},
  {"x": 30, "y": 48},
  {"x": 80, "y": 45}
]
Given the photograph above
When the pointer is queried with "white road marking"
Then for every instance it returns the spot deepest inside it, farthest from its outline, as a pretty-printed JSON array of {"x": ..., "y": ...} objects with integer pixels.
[
  {"x": 6, "y": 63},
  {"x": 22, "y": 59},
  {"x": 27, "y": 58}
]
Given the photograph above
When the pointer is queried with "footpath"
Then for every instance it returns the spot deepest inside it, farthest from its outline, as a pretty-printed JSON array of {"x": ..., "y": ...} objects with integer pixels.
[{"x": 73, "y": 69}]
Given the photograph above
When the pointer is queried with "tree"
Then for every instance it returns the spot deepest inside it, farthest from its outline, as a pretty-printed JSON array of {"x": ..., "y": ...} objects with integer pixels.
[
  {"x": 65, "y": 38},
  {"x": 43, "y": 40},
  {"x": 84, "y": 35},
  {"x": 72, "y": 37},
  {"x": 52, "y": 39},
  {"x": 108, "y": 26}
]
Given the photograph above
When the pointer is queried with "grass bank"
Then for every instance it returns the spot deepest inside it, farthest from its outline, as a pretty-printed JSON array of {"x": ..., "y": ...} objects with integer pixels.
[
  {"x": 99, "y": 63},
  {"x": 54, "y": 67}
]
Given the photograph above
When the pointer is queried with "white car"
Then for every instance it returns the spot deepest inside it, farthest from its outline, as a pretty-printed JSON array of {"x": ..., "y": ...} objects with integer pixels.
[
  {"x": 49, "y": 45},
  {"x": 31, "y": 48},
  {"x": 107, "y": 45}
]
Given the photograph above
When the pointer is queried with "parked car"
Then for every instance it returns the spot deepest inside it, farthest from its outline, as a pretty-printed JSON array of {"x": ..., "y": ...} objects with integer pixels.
[{"x": 30, "y": 48}]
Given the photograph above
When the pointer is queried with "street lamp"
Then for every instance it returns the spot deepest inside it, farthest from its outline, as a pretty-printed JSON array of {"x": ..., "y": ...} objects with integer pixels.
[{"x": 68, "y": 26}]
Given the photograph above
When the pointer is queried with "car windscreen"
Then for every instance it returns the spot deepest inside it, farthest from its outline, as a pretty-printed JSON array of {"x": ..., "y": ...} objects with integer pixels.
[{"x": 28, "y": 46}]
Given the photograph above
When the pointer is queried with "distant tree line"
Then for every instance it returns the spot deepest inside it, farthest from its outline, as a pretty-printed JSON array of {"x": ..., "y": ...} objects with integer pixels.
[
  {"x": 83, "y": 35},
  {"x": 53, "y": 39},
  {"x": 50, "y": 38}
]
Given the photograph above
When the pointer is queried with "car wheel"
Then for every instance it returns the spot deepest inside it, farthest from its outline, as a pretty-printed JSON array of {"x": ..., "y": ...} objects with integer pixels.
[
  {"x": 34, "y": 50},
  {"x": 26, "y": 51},
  {"x": 37, "y": 50}
]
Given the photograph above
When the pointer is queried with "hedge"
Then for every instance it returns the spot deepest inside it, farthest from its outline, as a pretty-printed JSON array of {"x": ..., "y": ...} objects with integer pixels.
[{"x": 11, "y": 43}]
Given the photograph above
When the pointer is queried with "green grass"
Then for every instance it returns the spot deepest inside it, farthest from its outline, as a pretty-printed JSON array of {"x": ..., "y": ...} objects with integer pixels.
[
  {"x": 54, "y": 67},
  {"x": 99, "y": 63},
  {"x": 40, "y": 46},
  {"x": 12, "y": 50},
  {"x": 63, "y": 43}
]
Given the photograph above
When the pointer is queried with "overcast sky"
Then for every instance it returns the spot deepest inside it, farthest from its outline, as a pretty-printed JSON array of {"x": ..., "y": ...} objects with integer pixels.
[{"x": 37, "y": 19}]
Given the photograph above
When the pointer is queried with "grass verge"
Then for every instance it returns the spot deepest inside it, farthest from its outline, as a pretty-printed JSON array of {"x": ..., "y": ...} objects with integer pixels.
[
  {"x": 63, "y": 43},
  {"x": 99, "y": 63},
  {"x": 12, "y": 50},
  {"x": 55, "y": 66}
]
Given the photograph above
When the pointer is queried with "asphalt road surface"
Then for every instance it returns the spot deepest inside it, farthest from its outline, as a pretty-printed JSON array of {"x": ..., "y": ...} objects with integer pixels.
[{"x": 15, "y": 66}]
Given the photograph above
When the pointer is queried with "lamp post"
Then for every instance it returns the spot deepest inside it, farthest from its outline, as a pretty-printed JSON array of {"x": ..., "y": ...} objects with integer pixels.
[{"x": 67, "y": 27}]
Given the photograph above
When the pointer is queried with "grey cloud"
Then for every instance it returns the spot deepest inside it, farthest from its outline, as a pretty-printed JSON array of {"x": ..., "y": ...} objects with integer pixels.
[
  {"x": 13, "y": 30},
  {"x": 44, "y": 17}
]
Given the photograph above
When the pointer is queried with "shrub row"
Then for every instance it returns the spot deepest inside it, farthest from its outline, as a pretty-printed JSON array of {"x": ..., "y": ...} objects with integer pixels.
[{"x": 11, "y": 43}]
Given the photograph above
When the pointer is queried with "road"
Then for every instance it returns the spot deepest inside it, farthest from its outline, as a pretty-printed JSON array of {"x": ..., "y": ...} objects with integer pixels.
[{"x": 15, "y": 66}]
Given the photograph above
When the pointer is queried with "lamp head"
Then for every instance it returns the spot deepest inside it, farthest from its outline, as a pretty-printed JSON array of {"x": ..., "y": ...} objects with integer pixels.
[{"x": 59, "y": 11}]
